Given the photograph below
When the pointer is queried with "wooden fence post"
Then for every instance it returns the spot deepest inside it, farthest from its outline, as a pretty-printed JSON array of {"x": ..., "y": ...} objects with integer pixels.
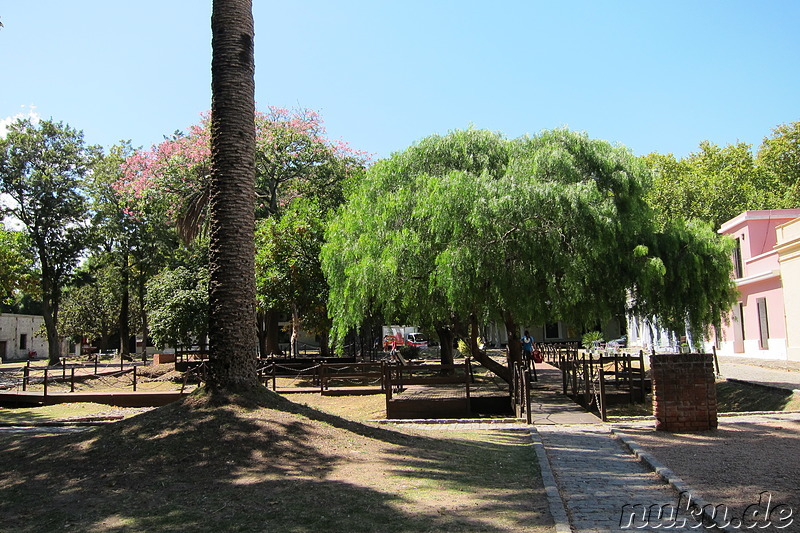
[{"x": 602, "y": 398}]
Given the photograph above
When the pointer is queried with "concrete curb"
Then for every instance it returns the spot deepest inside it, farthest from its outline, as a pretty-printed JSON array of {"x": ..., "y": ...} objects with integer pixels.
[
  {"x": 451, "y": 421},
  {"x": 554, "y": 500},
  {"x": 668, "y": 476}
]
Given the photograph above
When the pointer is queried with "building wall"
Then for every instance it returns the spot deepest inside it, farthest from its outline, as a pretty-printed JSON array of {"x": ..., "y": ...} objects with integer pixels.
[
  {"x": 788, "y": 248},
  {"x": 12, "y": 328},
  {"x": 758, "y": 325}
]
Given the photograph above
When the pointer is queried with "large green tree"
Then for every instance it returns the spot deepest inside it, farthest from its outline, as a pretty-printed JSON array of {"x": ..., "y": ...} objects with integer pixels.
[
  {"x": 42, "y": 170},
  {"x": 714, "y": 184},
  {"x": 469, "y": 226},
  {"x": 232, "y": 198}
]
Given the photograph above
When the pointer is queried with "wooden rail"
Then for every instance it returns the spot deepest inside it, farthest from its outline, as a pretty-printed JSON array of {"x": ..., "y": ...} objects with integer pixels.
[
  {"x": 521, "y": 390},
  {"x": 413, "y": 379},
  {"x": 351, "y": 371},
  {"x": 587, "y": 376}
]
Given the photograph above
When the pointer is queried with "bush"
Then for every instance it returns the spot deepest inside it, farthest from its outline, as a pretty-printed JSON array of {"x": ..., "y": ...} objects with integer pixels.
[
  {"x": 463, "y": 348},
  {"x": 409, "y": 352},
  {"x": 589, "y": 339}
]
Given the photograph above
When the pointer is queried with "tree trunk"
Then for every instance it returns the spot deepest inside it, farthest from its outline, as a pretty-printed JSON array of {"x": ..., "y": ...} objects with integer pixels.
[
  {"x": 50, "y": 314},
  {"x": 124, "y": 312},
  {"x": 473, "y": 334},
  {"x": 514, "y": 343},
  {"x": 502, "y": 371},
  {"x": 295, "y": 330},
  {"x": 143, "y": 318},
  {"x": 232, "y": 290},
  {"x": 324, "y": 344},
  {"x": 261, "y": 331},
  {"x": 446, "y": 338},
  {"x": 272, "y": 326}
]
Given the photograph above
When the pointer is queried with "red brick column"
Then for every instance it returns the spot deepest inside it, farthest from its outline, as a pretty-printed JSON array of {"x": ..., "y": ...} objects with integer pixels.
[{"x": 684, "y": 392}]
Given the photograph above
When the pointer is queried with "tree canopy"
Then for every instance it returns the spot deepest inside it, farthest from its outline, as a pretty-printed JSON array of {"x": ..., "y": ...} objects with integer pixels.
[
  {"x": 714, "y": 184},
  {"x": 538, "y": 229}
]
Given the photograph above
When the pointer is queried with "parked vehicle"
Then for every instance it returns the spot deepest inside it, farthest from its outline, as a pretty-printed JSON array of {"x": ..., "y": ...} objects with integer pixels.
[
  {"x": 416, "y": 339},
  {"x": 397, "y": 336},
  {"x": 621, "y": 342}
]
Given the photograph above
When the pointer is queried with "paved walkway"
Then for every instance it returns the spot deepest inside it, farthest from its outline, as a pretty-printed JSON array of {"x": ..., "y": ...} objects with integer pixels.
[
  {"x": 604, "y": 488},
  {"x": 600, "y": 486},
  {"x": 783, "y": 374}
]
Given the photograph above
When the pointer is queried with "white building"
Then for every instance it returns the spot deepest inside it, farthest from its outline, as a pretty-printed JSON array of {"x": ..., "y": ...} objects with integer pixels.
[{"x": 18, "y": 337}]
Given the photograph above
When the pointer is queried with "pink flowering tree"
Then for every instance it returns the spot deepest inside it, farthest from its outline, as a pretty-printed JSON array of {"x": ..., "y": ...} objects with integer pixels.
[{"x": 294, "y": 159}]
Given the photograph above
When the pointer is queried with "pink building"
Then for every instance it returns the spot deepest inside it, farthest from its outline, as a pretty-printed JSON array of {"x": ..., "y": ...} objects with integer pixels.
[{"x": 758, "y": 323}]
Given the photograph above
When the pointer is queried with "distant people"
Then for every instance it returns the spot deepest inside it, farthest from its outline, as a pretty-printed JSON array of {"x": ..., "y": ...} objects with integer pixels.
[{"x": 527, "y": 346}]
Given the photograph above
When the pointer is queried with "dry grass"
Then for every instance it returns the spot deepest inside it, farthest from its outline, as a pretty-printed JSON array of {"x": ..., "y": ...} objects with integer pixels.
[{"x": 282, "y": 466}]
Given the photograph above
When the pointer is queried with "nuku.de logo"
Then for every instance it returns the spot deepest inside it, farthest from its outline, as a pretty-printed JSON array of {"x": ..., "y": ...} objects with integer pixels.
[{"x": 687, "y": 513}]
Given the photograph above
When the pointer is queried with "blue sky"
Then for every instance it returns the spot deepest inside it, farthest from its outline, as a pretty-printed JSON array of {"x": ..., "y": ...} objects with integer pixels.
[{"x": 654, "y": 76}]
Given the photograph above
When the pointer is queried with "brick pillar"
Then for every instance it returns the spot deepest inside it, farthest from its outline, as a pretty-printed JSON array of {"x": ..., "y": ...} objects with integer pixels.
[{"x": 684, "y": 392}]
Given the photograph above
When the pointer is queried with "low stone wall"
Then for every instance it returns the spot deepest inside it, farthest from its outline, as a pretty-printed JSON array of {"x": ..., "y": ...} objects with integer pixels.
[
  {"x": 684, "y": 392},
  {"x": 162, "y": 358}
]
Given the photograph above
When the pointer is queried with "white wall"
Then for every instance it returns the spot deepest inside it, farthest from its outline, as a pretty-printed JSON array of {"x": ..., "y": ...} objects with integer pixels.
[{"x": 12, "y": 327}]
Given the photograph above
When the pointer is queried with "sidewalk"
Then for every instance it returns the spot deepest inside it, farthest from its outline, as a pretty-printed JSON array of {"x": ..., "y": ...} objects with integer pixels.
[
  {"x": 782, "y": 374},
  {"x": 599, "y": 486}
]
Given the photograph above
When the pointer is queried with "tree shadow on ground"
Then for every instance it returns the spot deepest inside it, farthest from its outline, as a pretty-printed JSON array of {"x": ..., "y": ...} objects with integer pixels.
[{"x": 286, "y": 468}]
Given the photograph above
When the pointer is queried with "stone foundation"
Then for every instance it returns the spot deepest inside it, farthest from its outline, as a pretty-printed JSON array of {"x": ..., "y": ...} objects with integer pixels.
[{"x": 684, "y": 392}]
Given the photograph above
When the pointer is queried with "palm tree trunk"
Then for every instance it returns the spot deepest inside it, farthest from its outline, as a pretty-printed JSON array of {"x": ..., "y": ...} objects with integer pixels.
[{"x": 232, "y": 293}]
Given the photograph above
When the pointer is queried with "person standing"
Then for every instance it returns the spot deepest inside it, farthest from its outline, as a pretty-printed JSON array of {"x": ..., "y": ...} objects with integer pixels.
[{"x": 527, "y": 346}]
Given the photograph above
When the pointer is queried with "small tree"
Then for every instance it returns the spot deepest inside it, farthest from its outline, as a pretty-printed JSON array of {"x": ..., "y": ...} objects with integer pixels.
[
  {"x": 177, "y": 306},
  {"x": 91, "y": 308},
  {"x": 288, "y": 272},
  {"x": 17, "y": 274}
]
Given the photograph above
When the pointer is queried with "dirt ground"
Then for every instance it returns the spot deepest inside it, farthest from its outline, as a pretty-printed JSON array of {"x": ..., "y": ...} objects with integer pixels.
[{"x": 735, "y": 464}]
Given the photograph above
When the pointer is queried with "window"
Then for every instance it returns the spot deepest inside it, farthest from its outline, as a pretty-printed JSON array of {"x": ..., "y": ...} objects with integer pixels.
[
  {"x": 551, "y": 331},
  {"x": 23, "y": 342},
  {"x": 738, "y": 270},
  {"x": 741, "y": 319},
  {"x": 763, "y": 324}
]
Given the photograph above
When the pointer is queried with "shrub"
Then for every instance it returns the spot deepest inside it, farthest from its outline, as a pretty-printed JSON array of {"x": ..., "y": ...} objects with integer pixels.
[
  {"x": 589, "y": 339},
  {"x": 409, "y": 352}
]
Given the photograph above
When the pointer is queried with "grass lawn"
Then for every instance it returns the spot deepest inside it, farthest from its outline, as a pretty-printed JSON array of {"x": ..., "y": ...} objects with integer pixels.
[
  {"x": 61, "y": 412},
  {"x": 282, "y": 466}
]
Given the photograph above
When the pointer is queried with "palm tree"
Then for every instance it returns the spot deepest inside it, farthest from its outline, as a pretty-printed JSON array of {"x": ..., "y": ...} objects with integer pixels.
[{"x": 232, "y": 295}]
